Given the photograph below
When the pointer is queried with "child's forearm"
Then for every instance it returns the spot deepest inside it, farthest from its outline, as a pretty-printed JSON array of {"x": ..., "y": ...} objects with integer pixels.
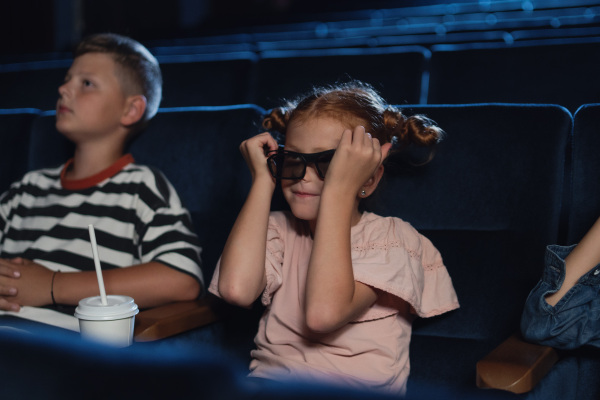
[
  {"x": 581, "y": 260},
  {"x": 242, "y": 268},
  {"x": 333, "y": 297},
  {"x": 149, "y": 284}
]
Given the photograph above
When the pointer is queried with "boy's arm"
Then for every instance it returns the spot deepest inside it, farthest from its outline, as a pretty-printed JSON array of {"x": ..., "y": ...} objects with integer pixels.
[
  {"x": 581, "y": 260},
  {"x": 150, "y": 284}
]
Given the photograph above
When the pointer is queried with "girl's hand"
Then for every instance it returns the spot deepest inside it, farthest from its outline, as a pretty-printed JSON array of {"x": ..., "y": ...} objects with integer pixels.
[
  {"x": 254, "y": 151},
  {"x": 356, "y": 159}
]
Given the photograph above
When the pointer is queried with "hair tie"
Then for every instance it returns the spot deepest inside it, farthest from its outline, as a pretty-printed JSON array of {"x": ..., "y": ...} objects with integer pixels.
[{"x": 52, "y": 288}]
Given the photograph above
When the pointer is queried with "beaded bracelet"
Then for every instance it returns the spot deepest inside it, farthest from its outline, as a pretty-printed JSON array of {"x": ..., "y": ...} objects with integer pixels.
[{"x": 52, "y": 289}]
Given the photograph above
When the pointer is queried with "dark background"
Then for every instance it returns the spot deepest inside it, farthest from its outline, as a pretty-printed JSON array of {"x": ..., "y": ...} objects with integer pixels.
[{"x": 43, "y": 26}]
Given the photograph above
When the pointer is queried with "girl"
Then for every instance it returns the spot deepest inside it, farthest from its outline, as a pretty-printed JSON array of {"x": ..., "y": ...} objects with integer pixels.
[{"x": 340, "y": 286}]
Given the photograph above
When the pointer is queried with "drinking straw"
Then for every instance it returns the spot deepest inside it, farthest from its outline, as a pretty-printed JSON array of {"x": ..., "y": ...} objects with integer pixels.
[{"x": 97, "y": 264}]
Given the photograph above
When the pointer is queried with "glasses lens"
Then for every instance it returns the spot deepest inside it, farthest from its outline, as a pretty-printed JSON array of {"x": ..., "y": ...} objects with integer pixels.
[
  {"x": 322, "y": 164},
  {"x": 292, "y": 167},
  {"x": 272, "y": 164}
]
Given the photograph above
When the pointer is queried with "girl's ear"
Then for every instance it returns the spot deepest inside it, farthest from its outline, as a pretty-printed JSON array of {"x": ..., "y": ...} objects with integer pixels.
[
  {"x": 135, "y": 106},
  {"x": 371, "y": 184}
]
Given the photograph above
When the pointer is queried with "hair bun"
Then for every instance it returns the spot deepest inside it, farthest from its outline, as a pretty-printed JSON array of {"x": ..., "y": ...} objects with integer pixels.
[
  {"x": 277, "y": 120},
  {"x": 416, "y": 129},
  {"x": 422, "y": 131}
]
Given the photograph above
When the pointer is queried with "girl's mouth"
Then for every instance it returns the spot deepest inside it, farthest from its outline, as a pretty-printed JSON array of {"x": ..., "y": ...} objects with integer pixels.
[{"x": 304, "y": 194}]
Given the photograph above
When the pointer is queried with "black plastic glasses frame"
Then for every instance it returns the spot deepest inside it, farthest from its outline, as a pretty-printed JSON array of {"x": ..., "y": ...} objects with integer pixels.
[{"x": 277, "y": 163}]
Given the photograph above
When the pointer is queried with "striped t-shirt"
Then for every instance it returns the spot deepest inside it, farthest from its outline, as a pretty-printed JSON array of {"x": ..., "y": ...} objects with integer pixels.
[{"x": 135, "y": 211}]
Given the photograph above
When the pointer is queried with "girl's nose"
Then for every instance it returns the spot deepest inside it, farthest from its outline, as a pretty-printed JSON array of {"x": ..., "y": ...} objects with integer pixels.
[{"x": 312, "y": 170}]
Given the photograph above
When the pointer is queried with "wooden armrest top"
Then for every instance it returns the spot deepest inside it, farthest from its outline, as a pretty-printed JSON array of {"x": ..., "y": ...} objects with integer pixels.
[
  {"x": 171, "y": 319},
  {"x": 515, "y": 365}
]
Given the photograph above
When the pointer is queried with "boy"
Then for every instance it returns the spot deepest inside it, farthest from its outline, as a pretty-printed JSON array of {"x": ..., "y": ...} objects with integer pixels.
[
  {"x": 112, "y": 89},
  {"x": 563, "y": 310}
]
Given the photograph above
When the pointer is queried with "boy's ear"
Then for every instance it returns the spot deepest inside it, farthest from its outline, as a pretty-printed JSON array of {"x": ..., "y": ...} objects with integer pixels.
[{"x": 135, "y": 106}]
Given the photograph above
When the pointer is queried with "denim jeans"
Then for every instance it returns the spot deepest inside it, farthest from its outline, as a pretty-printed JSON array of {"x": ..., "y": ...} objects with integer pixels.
[{"x": 575, "y": 320}]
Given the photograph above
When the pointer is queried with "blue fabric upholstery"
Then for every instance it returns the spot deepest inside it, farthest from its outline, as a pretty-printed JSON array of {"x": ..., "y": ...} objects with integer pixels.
[
  {"x": 395, "y": 71},
  {"x": 574, "y": 376},
  {"x": 542, "y": 71},
  {"x": 490, "y": 201},
  {"x": 48, "y": 147},
  {"x": 46, "y": 364},
  {"x": 584, "y": 196},
  {"x": 15, "y": 127},
  {"x": 32, "y": 84},
  {"x": 198, "y": 80},
  {"x": 556, "y": 72}
]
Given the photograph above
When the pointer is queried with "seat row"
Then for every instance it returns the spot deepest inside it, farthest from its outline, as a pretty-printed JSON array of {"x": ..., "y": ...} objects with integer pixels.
[
  {"x": 496, "y": 21},
  {"x": 507, "y": 180},
  {"x": 531, "y": 72}
]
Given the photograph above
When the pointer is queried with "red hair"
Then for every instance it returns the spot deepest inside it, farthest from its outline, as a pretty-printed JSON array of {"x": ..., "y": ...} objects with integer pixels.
[{"x": 357, "y": 103}]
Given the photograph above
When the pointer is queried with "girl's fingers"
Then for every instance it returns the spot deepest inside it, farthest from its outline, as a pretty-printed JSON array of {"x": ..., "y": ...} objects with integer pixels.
[
  {"x": 255, "y": 152},
  {"x": 347, "y": 138},
  {"x": 385, "y": 150},
  {"x": 366, "y": 139},
  {"x": 359, "y": 135},
  {"x": 269, "y": 143},
  {"x": 360, "y": 138},
  {"x": 263, "y": 142}
]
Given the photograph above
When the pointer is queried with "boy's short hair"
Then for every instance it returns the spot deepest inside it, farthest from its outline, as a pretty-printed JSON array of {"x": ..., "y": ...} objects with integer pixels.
[{"x": 140, "y": 68}]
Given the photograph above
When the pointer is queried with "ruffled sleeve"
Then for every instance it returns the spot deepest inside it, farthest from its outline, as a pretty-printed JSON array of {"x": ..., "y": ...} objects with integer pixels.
[
  {"x": 273, "y": 259},
  {"x": 214, "y": 282},
  {"x": 388, "y": 254},
  {"x": 274, "y": 255}
]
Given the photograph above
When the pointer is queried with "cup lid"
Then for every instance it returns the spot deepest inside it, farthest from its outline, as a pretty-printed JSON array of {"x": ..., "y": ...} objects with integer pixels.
[{"x": 118, "y": 307}]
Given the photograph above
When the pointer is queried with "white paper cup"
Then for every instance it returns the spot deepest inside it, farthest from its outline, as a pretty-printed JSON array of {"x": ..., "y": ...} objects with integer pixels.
[{"x": 110, "y": 324}]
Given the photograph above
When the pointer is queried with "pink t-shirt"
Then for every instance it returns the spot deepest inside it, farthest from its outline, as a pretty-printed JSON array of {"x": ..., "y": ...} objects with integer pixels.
[{"x": 389, "y": 255}]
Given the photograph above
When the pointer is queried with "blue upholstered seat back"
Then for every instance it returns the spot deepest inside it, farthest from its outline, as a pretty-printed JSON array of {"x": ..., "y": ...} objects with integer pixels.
[
  {"x": 490, "y": 200},
  {"x": 207, "y": 79},
  {"x": 584, "y": 197},
  {"x": 395, "y": 71},
  {"x": 555, "y": 72},
  {"x": 15, "y": 126}
]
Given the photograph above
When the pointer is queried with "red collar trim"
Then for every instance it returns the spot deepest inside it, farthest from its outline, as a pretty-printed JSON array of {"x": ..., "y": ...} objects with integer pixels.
[{"x": 79, "y": 184}]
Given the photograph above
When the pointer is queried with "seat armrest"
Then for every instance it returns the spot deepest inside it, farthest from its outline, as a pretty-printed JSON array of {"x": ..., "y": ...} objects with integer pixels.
[
  {"x": 515, "y": 365},
  {"x": 171, "y": 319}
]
